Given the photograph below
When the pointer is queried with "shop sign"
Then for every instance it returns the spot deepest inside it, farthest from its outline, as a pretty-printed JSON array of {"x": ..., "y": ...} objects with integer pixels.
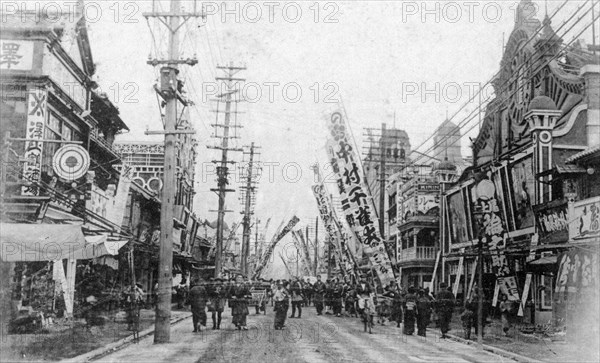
[
  {"x": 584, "y": 221},
  {"x": 428, "y": 187},
  {"x": 553, "y": 222},
  {"x": 16, "y": 55}
]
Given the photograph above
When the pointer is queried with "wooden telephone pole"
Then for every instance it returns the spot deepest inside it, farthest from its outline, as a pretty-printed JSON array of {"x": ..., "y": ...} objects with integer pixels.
[
  {"x": 249, "y": 192},
  {"x": 170, "y": 91},
  {"x": 222, "y": 169}
]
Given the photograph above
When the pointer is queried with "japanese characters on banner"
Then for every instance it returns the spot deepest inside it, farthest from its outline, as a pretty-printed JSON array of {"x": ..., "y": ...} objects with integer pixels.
[
  {"x": 357, "y": 203},
  {"x": 36, "y": 120},
  {"x": 493, "y": 237},
  {"x": 327, "y": 215},
  {"x": 264, "y": 259}
]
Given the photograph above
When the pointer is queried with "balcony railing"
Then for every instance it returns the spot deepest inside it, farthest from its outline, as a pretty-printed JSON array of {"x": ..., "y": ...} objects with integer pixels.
[{"x": 417, "y": 253}]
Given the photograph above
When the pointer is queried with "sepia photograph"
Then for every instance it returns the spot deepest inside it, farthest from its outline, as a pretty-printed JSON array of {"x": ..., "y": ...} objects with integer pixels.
[{"x": 299, "y": 181}]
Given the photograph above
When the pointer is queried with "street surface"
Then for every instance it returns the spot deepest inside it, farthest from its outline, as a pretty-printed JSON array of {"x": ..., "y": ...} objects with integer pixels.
[{"x": 310, "y": 339}]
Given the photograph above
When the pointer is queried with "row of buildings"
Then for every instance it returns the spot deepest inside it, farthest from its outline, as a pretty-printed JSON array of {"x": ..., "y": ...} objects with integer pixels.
[
  {"x": 530, "y": 193},
  {"x": 76, "y": 206}
]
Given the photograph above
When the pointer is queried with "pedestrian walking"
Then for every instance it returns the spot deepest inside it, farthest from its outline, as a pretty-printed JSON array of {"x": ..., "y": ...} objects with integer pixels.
[
  {"x": 336, "y": 296},
  {"x": 216, "y": 301},
  {"x": 467, "y": 321},
  {"x": 396, "y": 295},
  {"x": 423, "y": 313},
  {"x": 506, "y": 308},
  {"x": 297, "y": 298},
  {"x": 410, "y": 311},
  {"x": 350, "y": 301},
  {"x": 473, "y": 305},
  {"x": 239, "y": 297},
  {"x": 444, "y": 307},
  {"x": 281, "y": 301},
  {"x": 319, "y": 295},
  {"x": 197, "y": 299}
]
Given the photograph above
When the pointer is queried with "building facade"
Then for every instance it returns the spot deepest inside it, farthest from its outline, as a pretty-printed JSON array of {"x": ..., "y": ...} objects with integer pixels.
[{"x": 530, "y": 197}]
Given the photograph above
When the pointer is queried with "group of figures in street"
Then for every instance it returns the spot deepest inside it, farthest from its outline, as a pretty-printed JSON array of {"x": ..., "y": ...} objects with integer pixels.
[
  {"x": 215, "y": 294},
  {"x": 412, "y": 307}
]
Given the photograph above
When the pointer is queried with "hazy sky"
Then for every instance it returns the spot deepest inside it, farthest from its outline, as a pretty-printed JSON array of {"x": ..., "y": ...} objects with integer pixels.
[{"x": 379, "y": 57}]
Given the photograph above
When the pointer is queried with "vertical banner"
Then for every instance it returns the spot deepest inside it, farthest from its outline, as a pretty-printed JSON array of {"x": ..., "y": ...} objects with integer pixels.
[
  {"x": 472, "y": 282},
  {"x": 494, "y": 238},
  {"x": 263, "y": 261},
  {"x": 327, "y": 215},
  {"x": 461, "y": 262},
  {"x": 357, "y": 203},
  {"x": 299, "y": 243},
  {"x": 496, "y": 292},
  {"x": 116, "y": 210},
  {"x": 435, "y": 268},
  {"x": 525, "y": 294},
  {"x": 36, "y": 121}
]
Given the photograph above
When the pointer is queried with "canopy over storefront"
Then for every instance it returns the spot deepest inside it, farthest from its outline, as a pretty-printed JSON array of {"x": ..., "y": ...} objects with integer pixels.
[{"x": 50, "y": 242}]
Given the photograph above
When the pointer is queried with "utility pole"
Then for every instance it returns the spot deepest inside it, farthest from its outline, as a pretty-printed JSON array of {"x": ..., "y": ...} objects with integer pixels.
[
  {"x": 257, "y": 223},
  {"x": 222, "y": 169},
  {"x": 249, "y": 191},
  {"x": 316, "y": 247},
  {"x": 170, "y": 90}
]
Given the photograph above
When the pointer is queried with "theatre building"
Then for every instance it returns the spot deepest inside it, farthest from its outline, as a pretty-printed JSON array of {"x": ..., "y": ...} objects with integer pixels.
[{"x": 532, "y": 196}]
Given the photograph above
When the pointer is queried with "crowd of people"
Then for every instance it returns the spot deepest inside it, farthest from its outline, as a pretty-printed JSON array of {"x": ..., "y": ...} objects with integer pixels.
[{"x": 412, "y": 307}]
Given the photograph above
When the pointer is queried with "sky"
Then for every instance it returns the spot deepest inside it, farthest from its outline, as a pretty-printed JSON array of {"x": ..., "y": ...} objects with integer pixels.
[{"x": 405, "y": 63}]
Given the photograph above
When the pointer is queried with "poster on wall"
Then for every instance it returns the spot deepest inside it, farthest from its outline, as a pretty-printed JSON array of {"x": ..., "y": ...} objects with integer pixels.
[
  {"x": 584, "y": 219},
  {"x": 577, "y": 272},
  {"x": 523, "y": 184}
]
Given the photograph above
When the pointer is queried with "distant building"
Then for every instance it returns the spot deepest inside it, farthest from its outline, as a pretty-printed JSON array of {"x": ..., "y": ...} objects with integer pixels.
[{"x": 447, "y": 144}]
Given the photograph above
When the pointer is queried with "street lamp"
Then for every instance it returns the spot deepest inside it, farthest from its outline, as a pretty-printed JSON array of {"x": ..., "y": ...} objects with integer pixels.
[{"x": 484, "y": 191}]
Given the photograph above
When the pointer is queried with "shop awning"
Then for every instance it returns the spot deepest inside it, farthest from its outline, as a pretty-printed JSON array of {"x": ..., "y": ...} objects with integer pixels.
[
  {"x": 543, "y": 264},
  {"x": 96, "y": 246},
  {"x": 546, "y": 260},
  {"x": 21, "y": 242}
]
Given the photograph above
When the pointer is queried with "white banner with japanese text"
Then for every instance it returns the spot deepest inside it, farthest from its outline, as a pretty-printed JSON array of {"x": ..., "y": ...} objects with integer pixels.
[
  {"x": 357, "y": 202},
  {"x": 34, "y": 146}
]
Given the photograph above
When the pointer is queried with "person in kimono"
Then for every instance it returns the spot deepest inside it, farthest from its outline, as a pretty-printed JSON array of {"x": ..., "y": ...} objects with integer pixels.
[
  {"x": 410, "y": 311},
  {"x": 197, "y": 298},
  {"x": 240, "y": 294}
]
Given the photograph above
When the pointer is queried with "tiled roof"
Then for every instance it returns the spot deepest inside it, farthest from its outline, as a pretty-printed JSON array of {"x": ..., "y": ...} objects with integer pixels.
[{"x": 587, "y": 152}]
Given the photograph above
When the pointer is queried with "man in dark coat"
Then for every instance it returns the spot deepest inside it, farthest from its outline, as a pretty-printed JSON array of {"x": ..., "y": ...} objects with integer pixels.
[
  {"x": 240, "y": 294},
  {"x": 423, "y": 313},
  {"x": 281, "y": 300},
  {"x": 319, "y": 295},
  {"x": 336, "y": 295},
  {"x": 445, "y": 307},
  {"x": 410, "y": 311},
  {"x": 197, "y": 298},
  {"x": 297, "y": 297}
]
